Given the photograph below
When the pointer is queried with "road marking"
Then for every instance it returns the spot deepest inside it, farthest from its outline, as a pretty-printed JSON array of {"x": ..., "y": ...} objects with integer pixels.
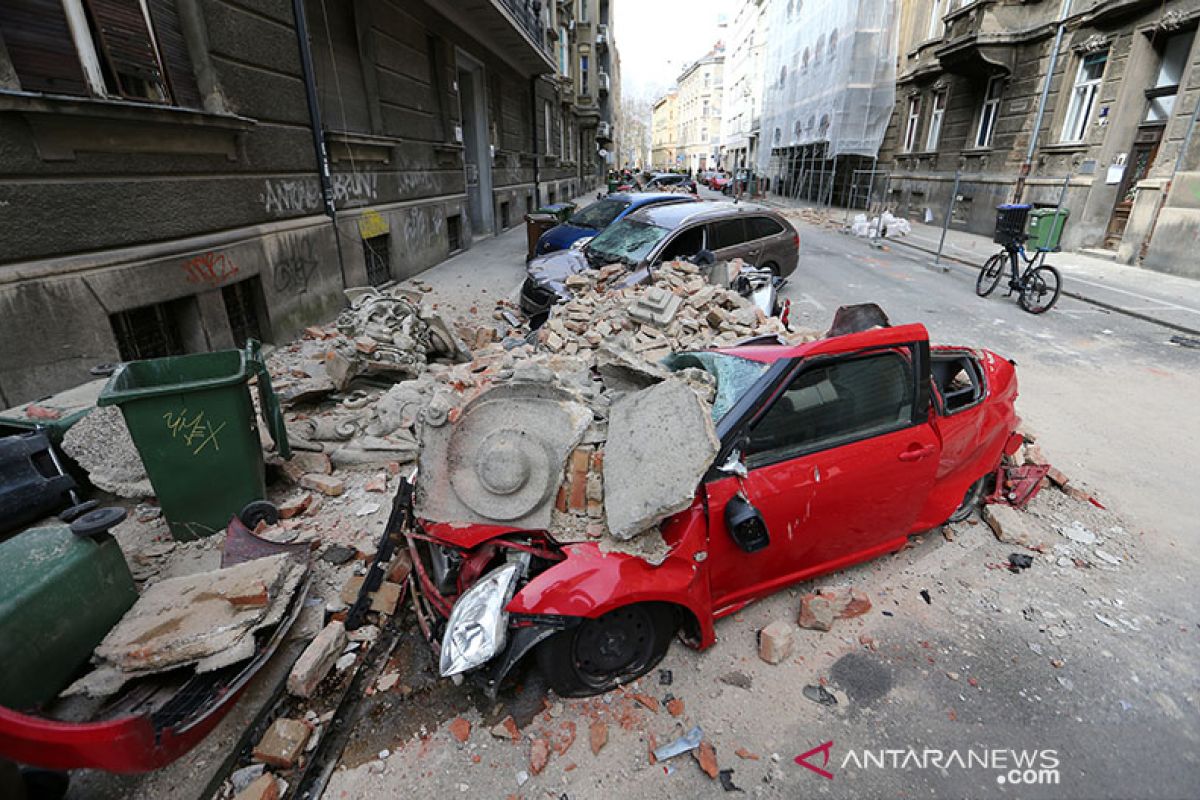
[{"x": 1161, "y": 303}]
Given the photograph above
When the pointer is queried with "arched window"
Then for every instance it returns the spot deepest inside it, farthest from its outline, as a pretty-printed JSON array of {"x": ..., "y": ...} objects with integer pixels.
[
  {"x": 777, "y": 137},
  {"x": 817, "y": 52},
  {"x": 824, "y": 129},
  {"x": 807, "y": 58},
  {"x": 833, "y": 44},
  {"x": 796, "y": 130},
  {"x": 782, "y": 75}
]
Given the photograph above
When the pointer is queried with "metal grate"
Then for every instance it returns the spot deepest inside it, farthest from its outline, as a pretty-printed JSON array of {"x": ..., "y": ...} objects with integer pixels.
[
  {"x": 454, "y": 232},
  {"x": 504, "y": 210},
  {"x": 241, "y": 306},
  {"x": 148, "y": 332},
  {"x": 375, "y": 253}
]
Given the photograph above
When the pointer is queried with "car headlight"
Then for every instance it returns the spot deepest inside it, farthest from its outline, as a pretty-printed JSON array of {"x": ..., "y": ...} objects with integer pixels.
[
  {"x": 478, "y": 626},
  {"x": 581, "y": 242}
]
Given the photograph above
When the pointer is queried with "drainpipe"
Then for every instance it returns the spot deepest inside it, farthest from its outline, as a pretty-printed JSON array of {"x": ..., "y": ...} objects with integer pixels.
[
  {"x": 318, "y": 135},
  {"x": 537, "y": 184},
  {"x": 1041, "y": 111}
]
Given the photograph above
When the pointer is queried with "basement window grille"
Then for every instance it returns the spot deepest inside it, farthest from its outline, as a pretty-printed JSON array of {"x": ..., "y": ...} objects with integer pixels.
[
  {"x": 376, "y": 254},
  {"x": 150, "y": 331},
  {"x": 242, "y": 301},
  {"x": 454, "y": 232}
]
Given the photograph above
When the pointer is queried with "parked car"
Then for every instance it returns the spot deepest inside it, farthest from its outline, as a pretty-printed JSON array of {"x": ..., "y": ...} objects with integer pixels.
[
  {"x": 649, "y": 236},
  {"x": 583, "y": 225},
  {"x": 718, "y": 182},
  {"x": 831, "y": 453},
  {"x": 673, "y": 180}
]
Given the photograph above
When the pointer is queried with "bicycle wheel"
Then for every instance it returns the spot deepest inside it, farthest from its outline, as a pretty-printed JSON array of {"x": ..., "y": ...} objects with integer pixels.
[
  {"x": 1040, "y": 289},
  {"x": 989, "y": 276}
]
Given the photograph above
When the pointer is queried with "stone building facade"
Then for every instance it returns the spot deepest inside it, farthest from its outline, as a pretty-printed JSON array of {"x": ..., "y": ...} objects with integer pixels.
[
  {"x": 698, "y": 115},
  {"x": 664, "y": 131},
  {"x": 1116, "y": 131},
  {"x": 160, "y": 191},
  {"x": 745, "y": 65}
]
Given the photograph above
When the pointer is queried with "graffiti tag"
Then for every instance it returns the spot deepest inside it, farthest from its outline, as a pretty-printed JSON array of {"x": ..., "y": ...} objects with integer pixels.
[
  {"x": 193, "y": 430},
  {"x": 303, "y": 195},
  {"x": 295, "y": 268},
  {"x": 210, "y": 269}
]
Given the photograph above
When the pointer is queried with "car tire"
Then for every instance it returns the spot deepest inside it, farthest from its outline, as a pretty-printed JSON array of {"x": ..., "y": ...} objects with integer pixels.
[
  {"x": 771, "y": 265},
  {"x": 599, "y": 654},
  {"x": 970, "y": 500}
]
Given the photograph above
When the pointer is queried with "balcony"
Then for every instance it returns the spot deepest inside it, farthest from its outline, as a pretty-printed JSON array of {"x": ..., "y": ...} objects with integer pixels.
[
  {"x": 601, "y": 37},
  {"x": 603, "y": 84},
  {"x": 982, "y": 38},
  {"x": 512, "y": 29}
]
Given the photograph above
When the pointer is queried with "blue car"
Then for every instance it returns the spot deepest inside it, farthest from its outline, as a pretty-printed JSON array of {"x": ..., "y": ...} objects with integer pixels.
[{"x": 579, "y": 229}]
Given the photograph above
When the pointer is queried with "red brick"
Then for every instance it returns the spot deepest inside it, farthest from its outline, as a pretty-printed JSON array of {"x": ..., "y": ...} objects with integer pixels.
[
  {"x": 775, "y": 641},
  {"x": 264, "y": 787},
  {"x": 648, "y": 701},
  {"x": 460, "y": 729},
  {"x": 325, "y": 484},
  {"x": 598, "y": 737},
  {"x": 745, "y": 754},
  {"x": 539, "y": 756},
  {"x": 706, "y": 757},
  {"x": 250, "y": 597},
  {"x": 675, "y": 706},
  {"x": 283, "y": 743},
  {"x": 378, "y": 484}
]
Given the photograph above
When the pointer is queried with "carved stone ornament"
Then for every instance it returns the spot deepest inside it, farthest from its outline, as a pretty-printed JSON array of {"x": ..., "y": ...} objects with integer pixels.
[
  {"x": 1096, "y": 43},
  {"x": 1171, "y": 20}
]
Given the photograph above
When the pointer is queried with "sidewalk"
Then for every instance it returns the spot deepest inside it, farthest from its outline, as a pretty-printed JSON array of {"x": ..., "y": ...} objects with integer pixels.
[{"x": 1168, "y": 300}]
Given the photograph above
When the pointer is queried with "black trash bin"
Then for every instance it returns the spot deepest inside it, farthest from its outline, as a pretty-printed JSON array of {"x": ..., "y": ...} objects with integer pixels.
[{"x": 1010, "y": 223}]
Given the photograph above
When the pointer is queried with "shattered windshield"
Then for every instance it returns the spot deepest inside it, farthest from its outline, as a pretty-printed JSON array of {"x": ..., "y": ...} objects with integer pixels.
[
  {"x": 599, "y": 215},
  {"x": 735, "y": 375},
  {"x": 627, "y": 241}
]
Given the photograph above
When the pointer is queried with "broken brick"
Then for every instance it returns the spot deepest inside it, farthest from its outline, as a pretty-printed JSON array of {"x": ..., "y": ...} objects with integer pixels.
[
  {"x": 283, "y": 743},
  {"x": 301, "y": 464},
  {"x": 706, "y": 757},
  {"x": 675, "y": 706},
  {"x": 539, "y": 756},
  {"x": 378, "y": 484},
  {"x": 506, "y": 729},
  {"x": 1010, "y": 525},
  {"x": 775, "y": 642},
  {"x": 648, "y": 701},
  {"x": 383, "y": 600},
  {"x": 264, "y": 787},
  {"x": 566, "y": 737},
  {"x": 325, "y": 484},
  {"x": 816, "y": 612},
  {"x": 460, "y": 729},
  {"x": 295, "y": 506},
  {"x": 401, "y": 568},
  {"x": 1057, "y": 477},
  {"x": 745, "y": 754},
  {"x": 317, "y": 659},
  {"x": 597, "y": 736},
  {"x": 254, "y": 596}
]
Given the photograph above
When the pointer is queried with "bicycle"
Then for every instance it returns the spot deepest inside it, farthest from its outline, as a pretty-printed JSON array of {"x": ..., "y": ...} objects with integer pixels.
[{"x": 1035, "y": 284}]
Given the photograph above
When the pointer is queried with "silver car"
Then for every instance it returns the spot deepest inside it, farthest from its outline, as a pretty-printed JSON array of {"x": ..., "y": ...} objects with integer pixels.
[{"x": 650, "y": 236}]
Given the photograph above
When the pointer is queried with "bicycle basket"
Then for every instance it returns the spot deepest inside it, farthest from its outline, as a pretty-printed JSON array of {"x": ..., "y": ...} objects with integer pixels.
[{"x": 1010, "y": 223}]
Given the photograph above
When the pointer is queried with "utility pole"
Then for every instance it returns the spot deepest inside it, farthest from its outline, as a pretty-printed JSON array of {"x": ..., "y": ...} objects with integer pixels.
[{"x": 1064, "y": 12}]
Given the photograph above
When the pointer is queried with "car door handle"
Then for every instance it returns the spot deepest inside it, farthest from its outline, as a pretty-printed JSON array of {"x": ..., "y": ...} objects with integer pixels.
[{"x": 917, "y": 453}]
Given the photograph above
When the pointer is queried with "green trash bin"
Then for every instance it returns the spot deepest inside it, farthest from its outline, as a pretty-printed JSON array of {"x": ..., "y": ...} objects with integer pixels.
[
  {"x": 194, "y": 426},
  {"x": 612, "y": 186},
  {"x": 1046, "y": 227},
  {"x": 561, "y": 211}
]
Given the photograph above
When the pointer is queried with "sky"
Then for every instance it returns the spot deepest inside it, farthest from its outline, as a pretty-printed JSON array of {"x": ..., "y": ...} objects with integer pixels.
[{"x": 658, "y": 38}]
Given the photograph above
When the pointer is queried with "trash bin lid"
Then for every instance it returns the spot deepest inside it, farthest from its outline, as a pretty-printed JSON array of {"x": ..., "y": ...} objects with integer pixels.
[
  {"x": 1014, "y": 207},
  {"x": 1050, "y": 212}
]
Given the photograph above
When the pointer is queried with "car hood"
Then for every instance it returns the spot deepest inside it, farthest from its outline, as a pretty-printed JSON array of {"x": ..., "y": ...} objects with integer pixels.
[
  {"x": 560, "y": 237},
  {"x": 554, "y": 268}
]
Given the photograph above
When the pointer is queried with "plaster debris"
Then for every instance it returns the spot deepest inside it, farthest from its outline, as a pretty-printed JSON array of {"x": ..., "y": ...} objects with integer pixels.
[{"x": 100, "y": 442}]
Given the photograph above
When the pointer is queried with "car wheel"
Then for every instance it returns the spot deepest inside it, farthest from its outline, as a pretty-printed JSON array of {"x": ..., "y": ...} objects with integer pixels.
[
  {"x": 771, "y": 265},
  {"x": 602, "y": 653},
  {"x": 970, "y": 500}
]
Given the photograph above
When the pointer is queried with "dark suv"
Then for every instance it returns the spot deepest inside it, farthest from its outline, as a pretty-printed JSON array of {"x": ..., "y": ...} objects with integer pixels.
[{"x": 753, "y": 233}]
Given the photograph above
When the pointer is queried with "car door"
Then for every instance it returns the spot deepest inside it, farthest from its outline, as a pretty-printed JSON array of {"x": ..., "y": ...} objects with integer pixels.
[
  {"x": 727, "y": 239},
  {"x": 682, "y": 244},
  {"x": 839, "y": 460}
]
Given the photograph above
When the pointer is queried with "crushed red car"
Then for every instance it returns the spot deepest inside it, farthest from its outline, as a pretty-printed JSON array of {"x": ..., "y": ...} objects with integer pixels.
[{"x": 831, "y": 453}]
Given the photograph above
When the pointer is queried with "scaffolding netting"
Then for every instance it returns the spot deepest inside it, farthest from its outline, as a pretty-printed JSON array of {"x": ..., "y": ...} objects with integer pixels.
[{"x": 830, "y": 75}]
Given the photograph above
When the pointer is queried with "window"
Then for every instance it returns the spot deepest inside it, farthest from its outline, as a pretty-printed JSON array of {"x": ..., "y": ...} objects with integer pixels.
[
  {"x": 1083, "y": 97},
  {"x": 546, "y": 124},
  {"x": 762, "y": 227},
  {"x": 242, "y": 301},
  {"x": 583, "y": 76},
  {"x": 833, "y": 44},
  {"x": 1162, "y": 95},
  {"x": 831, "y": 404},
  {"x": 375, "y": 254},
  {"x": 935, "y": 120},
  {"x": 564, "y": 51},
  {"x": 989, "y": 112},
  {"x": 454, "y": 233},
  {"x": 910, "y": 127},
  {"x": 685, "y": 245},
  {"x": 726, "y": 233},
  {"x": 707, "y": 78},
  {"x": 131, "y": 49},
  {"x": 152, "y": 331},
  {"x": 937, "y": 13},
  {"x": 583, "y": 10}
]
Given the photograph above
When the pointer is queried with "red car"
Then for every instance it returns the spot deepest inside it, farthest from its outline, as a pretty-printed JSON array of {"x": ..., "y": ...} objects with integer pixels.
[{"x": 832, "y": 452}]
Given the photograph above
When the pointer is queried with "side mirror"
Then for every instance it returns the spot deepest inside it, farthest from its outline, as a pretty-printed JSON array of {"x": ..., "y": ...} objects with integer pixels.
[{"x": 745, "y": 524}]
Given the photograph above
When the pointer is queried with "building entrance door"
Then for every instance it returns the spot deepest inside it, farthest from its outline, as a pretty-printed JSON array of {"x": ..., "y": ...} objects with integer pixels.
[
  {"x": 477, "y": 159},
  {"x": 1137, "y": 166}
]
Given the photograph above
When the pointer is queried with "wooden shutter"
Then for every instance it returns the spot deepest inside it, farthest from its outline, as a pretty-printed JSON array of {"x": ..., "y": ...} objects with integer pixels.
[
  {"x": 40, "y": 46},
  {"x": 174, "y": 51},
  {"x": 125, "y": 42}
]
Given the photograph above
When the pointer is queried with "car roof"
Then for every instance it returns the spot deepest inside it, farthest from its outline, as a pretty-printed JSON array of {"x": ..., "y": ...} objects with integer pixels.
[{"x": 675, "y": 214}]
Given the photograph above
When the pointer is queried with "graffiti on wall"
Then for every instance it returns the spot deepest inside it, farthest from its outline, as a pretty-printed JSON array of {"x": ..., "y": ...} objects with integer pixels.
[
  {"x": 303, "y": 195},
  {"x": 294, "y": 269},
  {"x": 210, "y": 269},
  {"x": 424, "y": 227}
]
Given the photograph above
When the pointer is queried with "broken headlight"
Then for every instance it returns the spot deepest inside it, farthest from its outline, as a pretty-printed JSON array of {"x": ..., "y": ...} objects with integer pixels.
[{"x": 478, "y": 626}]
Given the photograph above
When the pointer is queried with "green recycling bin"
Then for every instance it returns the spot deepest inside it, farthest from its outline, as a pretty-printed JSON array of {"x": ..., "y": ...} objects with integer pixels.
[
  {"x": 561, "y": 211},
  {"x": 1046, "y": 227},
  {"x": 194, "y": 426}
]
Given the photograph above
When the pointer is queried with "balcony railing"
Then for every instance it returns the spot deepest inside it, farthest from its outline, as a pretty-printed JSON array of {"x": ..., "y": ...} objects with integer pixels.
[{"x": 528, "y": 14}]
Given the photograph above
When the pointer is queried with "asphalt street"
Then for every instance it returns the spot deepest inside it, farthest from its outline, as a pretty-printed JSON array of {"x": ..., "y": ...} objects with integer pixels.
[{"x": 1090, "y": 664}]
